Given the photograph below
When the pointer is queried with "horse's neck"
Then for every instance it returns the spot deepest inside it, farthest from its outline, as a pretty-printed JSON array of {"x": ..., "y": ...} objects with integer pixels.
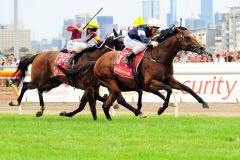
[
  {"x": 95, "y": 55},
  {"x": 167, "y": 50}
]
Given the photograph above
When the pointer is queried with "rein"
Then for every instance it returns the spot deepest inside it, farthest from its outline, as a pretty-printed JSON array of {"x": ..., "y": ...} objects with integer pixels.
[
  {"x": 156, "y": 60},
  {"x": 105, "y": 45}
]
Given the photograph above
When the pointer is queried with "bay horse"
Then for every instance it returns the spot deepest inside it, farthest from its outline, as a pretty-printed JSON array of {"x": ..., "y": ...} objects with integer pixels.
[
  {"x": 156, "y": 70},
  {"x": 43, "y": 79}
]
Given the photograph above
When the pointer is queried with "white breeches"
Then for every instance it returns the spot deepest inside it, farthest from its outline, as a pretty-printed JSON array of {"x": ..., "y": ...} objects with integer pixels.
[
  {"x": 72, "y": 45},
  {"x": 134, "y": 44}
]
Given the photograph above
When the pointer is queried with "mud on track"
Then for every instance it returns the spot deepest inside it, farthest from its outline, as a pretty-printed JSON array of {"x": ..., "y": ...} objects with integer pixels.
[{"x": 216, "y": 109}]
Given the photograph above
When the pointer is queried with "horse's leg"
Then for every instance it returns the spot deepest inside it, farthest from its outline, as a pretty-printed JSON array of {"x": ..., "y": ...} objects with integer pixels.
[
  {"x": 139, "y": 104},
  {"x": 159, "y": 95},
  {"x": 140, "y": 92},
  {"x": 116, "y": 94},
  {"x": 103, "y": 98},
  {"x": 40, "y": 94},
  {"x": 19, "y": 100},
  {"x": 156, "y": 85},
  {"x": 52, "y": 83},
  {"x": 92, "y": 102},
  {"x": 82, "y": 104},
  {"x": 177, "y": 85},
  {"x": 98, "y": 97},
  {"x": 106, "y": 105}
]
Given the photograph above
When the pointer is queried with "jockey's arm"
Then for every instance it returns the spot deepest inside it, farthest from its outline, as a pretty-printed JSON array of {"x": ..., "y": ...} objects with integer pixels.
[
  {"x": 73, "y": 27},
  {"x": 142, "y": 35},
  {"x": 97, "y": 39}
]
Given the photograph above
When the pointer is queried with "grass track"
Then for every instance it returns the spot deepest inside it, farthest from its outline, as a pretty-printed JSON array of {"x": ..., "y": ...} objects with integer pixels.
[{"x": 126, "y": 137}]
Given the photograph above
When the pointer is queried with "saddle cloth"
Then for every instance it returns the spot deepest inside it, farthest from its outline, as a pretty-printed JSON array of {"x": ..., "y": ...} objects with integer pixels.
[
  {"x": 121, "y": 68},
  {"x": 61, "y": 60}
]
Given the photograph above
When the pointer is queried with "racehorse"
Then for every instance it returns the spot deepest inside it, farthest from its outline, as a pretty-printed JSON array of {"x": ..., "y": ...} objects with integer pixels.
[
  {"x": 43, "y": 79},
  {"x": 156, "y": 70}
]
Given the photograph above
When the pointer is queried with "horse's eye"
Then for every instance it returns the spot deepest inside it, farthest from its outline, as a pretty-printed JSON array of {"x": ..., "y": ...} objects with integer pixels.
[{"x": 188, "y": 38}]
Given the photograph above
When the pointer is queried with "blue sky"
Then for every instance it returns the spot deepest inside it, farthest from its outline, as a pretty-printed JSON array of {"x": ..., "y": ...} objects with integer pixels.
[{"x": 45, "y": 17}]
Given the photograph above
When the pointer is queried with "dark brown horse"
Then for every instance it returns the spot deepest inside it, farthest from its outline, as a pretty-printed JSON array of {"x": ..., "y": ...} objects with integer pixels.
[
  {"x": 156, "y": 70},
  {"x": 43, "y": 79}
]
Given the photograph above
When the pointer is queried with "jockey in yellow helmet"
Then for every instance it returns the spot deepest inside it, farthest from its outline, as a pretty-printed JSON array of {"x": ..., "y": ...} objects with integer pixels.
[{"x": 88, "y": 38}]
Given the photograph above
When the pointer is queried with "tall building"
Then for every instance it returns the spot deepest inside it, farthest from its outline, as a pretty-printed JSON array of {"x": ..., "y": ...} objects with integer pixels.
[
  {"x": 218, "y": 17},
  {"x": 82, "y": 18},
  {"x": 234, "y": 28},
  {"x": 150, "y": 9},
  {"x": 228, "y": 36},
  {"x": 207, "y": 11},
  {"x": 6, "y": 38},
  {"x": 194, "y": 22},
  {"x": 106, "y": 25},
  {"x": 58, "y": 43},
  {"x": 172, "y": 16}
]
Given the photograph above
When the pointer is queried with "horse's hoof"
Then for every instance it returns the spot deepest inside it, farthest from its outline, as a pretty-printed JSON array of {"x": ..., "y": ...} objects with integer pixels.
[
  {"x": 142, "y": 115},
  {"x": 116, "y": 106},
  {"x": 160, "y": 111},
  {"x": 39, "y": 114},
  {"x": 13, "y": 103},
  {"x": 63, "y": 113},
  {"x": 205, "y": 105}
]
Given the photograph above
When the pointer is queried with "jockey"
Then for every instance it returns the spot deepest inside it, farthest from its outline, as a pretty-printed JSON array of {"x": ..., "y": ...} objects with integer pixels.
[
  {"x": 82, "y": 38},
  {"x": 74, "y": 29},
  {"x": 139, "y": 37}
]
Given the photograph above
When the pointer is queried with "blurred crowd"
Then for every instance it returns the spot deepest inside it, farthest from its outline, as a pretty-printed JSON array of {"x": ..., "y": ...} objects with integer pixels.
[
  {"x": 216, "y": 57},
  {"x": 8, "y": 60}
]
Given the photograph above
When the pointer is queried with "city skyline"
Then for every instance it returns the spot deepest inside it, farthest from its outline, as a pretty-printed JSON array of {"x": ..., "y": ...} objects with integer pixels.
[{"x": 32, "y": 13}]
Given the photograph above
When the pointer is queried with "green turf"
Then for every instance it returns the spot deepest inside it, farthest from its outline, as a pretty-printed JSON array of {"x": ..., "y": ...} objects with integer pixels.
[{"x": 126, "y": 137}]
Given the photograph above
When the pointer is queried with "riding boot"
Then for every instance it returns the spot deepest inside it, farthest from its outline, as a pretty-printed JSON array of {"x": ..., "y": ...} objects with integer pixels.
[
  {"x": 70, "y": 59},
  {"x": 128, "y": 58}
]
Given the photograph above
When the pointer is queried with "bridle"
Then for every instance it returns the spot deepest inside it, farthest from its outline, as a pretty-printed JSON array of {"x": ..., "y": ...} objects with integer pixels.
[{"x": 184, "y": 42}]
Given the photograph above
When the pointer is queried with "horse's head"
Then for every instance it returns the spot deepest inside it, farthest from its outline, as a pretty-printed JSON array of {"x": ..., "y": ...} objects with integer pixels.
[
  {"x": 118, "y": 40},
  {"x": 187, "y": 41},
  {"x": 114, "y": 42}
]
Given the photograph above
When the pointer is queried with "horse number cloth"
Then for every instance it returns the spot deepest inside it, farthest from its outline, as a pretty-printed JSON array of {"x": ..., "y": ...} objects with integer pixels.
[{"x": 121, "y": 68}]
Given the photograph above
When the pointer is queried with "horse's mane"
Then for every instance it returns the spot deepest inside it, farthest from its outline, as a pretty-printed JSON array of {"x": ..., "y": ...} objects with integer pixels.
[
  {"x": 165, "y": 34},
  {"x": 182, "y": 28}
]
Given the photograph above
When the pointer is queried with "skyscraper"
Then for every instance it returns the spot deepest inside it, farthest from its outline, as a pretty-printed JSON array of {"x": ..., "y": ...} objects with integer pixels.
[
  {"x": 106, "y": 25},
  {"x": 207, "y": 11},
  {"x": 172, "y": 16},
  {"x": 82, "y": 18},
  {"x": 150, "y": 9}
]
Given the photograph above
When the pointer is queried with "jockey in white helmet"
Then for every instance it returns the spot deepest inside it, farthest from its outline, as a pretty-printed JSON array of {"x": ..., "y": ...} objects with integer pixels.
[{"x": 139, "y": 37}]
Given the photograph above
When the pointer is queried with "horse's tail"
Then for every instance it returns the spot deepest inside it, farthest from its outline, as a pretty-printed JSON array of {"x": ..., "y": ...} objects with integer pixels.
[
  {"x": 23, "y": 66},
  {"x": 80, "y": 69}
]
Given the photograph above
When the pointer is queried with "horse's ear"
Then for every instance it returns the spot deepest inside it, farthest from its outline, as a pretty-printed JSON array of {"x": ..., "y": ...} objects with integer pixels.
[
  {"x": 120, "y": 33},
  {"x": 115, "y": 33}
]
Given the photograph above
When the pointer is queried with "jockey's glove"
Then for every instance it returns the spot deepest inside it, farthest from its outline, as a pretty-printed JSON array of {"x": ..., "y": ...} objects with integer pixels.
[
  {"x": 154, "y": 43},
  {"x": 80, "y": 29}
]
